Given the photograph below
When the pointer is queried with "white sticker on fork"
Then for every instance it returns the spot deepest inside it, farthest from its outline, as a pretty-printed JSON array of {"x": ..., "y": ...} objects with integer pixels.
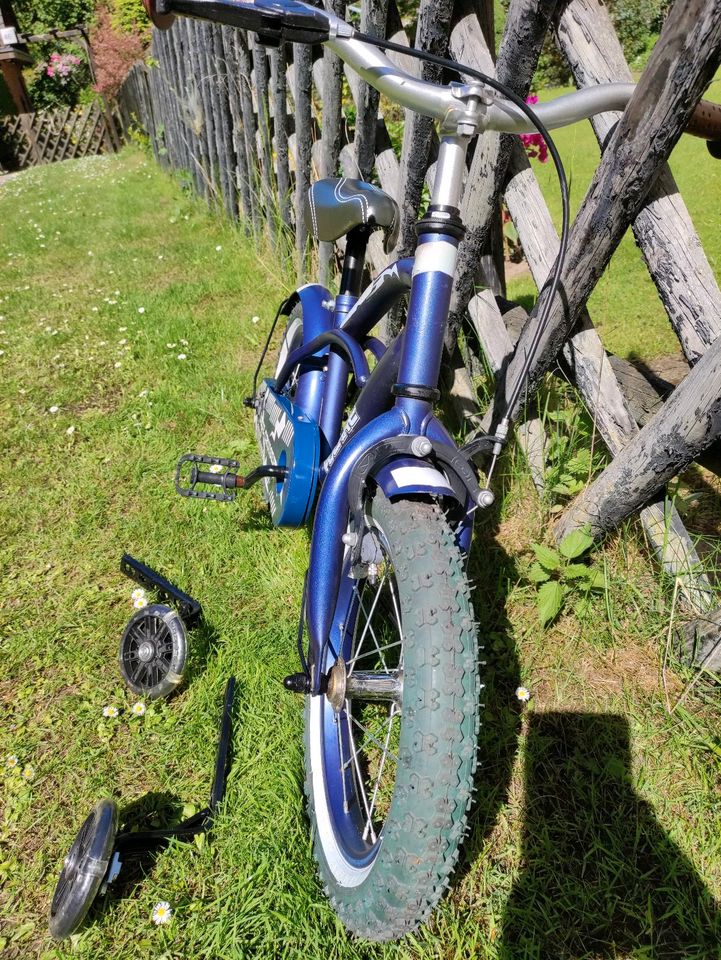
[{"x": 437, "y": 256}]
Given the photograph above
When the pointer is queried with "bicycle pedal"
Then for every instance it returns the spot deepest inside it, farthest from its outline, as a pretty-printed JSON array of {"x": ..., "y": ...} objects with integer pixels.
[
  {"x": 218, "y": 474},
  {"x": 219, "y": 477}
]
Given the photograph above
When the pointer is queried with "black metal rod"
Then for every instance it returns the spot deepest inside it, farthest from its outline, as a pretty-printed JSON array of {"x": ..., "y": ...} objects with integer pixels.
[
  {"x": 221, "y": 760},
  {"x": 189, "y": 608}
]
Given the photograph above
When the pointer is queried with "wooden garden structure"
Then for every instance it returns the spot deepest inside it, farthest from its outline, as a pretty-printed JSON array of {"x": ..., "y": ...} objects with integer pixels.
[
  {"x": 252, "y": 126},
  {"x": 45, "y": 136}
]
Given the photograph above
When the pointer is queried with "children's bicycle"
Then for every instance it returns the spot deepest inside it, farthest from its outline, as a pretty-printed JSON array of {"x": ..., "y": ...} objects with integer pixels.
[{"x": 348, "y": 437}]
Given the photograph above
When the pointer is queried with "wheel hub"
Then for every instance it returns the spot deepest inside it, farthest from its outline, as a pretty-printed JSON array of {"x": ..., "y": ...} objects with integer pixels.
[
  {"x": 375, "y": 685},
  {"x": 146, "y": 651},
  {"x": 336, "y": 689}
]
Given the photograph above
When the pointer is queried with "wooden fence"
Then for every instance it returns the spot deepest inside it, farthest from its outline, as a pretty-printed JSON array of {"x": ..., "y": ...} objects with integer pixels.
[
  {"x": 62, "y": 134},
  {"x": 253, "y": 126}
]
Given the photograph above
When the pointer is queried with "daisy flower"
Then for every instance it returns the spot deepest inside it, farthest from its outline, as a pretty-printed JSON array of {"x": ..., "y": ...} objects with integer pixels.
[
  {"x": 141, "y": 309},
  {"x": 137, "y": 594},
  {"x": 53, "y": 409},
  {"x": 70, "y": 431},
  {"x": 110, "y": 711},
  {"x": 140, "y": 603},
  {"x": 215, "y": 468},
  {"x": 138, "y": 709},
  {"x": 162, "y": 913},
  {"x": 28, "y": 772},
  {"x": 523, "y": 694},
  {"x": 11, "y": 761},
  {"x": 218, "y": 248},
  {"x": 182, "y": 356}
]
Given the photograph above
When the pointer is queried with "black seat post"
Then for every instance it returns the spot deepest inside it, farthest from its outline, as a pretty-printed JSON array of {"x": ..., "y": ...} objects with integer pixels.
[{"x": 354, "y": 260}]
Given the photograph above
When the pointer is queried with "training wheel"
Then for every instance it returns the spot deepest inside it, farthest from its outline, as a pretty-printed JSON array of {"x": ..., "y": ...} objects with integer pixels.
[
  {"x": 83, "y": 870},
  {"x": 153, "y": 651}
]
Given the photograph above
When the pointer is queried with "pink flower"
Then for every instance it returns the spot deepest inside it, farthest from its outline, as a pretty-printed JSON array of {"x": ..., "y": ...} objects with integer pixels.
[
  {"x": 51, "y": 72},
  {"x": 533, "y": 142}
]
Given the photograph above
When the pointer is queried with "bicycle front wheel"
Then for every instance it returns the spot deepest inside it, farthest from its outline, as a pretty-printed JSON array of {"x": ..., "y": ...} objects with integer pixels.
[{"x": 391, "y": 748}]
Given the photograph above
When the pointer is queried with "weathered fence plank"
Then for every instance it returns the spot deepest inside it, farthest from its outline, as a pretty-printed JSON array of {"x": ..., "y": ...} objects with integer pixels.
[
  {"x": 526, "y": 26},
  {"x": 682, "y": 63},
  {"x": 373, "y": 22},
  {"x": 688, "y": 422},
  {"x": 663, "y": 228},
  {"x": 278, "y": 68},
  {"x": 434, "y": 24}
]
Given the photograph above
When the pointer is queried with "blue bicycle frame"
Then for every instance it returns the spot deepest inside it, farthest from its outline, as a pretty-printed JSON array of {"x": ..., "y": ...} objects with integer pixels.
[{"x": 410, "y": 367}]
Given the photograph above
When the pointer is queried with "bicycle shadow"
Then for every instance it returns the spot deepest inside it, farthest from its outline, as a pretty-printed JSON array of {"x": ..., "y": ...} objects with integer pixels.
[
  {"x": 601, "y": 877},
  {"x": 491, "y": 569}
]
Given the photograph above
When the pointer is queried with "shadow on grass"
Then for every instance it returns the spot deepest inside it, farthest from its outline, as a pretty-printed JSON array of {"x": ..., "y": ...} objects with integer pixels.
[
  {"x": 601, "y": 878},
  {"x": 203, "y": 642},
  {"x": 152, "y": 811},
  {"x": 491, "y": 569}
]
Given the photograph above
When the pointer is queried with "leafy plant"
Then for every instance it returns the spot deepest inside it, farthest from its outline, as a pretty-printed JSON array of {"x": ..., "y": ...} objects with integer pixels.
[
  {"x": 571, "y": 453},
  {"x": 558, "y": 575}
]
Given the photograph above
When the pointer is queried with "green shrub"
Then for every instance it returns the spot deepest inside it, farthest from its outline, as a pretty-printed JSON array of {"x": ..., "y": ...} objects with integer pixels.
[{"x": 129, "y": 16}]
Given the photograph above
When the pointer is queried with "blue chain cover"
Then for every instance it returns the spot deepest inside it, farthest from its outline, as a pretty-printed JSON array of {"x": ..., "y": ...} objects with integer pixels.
[{"x": 289, "y": 438}]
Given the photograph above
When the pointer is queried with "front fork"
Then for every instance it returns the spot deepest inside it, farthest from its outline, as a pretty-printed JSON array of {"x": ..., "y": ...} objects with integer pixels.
[{"x": 439, "y": 233}]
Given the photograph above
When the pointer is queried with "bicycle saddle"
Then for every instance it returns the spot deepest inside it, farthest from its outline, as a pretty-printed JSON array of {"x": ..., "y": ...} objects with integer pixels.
[{"x": 334, "y": 206}]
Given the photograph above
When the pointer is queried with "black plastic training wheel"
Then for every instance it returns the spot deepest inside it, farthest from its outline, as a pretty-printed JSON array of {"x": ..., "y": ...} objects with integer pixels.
[
  {"x": 83, "y": 870},
  {"x": 153, "y": 651},
  {"x": 391, "y": 746}
]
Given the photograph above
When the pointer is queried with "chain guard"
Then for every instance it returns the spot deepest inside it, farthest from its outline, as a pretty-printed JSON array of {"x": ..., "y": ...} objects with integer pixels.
[{"x": 288, "y": 438}]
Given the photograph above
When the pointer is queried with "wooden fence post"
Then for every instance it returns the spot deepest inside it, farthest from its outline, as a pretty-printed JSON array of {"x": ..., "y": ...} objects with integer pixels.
[
  {"x": 434, "y": 24},
  {"x": 686, "y": 424},
  {"x": 278, "y": 68},
  {"x": 682, "y": 63},
  {"x": 302, "y": 58},
  {"x": 663, "y": 227},
  {"x": 331, "y": 132},
  {"x": 373, "y": 22},
  {"x": 242, "y": 175}
]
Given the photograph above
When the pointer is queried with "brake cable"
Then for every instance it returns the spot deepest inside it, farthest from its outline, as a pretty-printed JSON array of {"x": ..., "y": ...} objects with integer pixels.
[{"x": 501, "y": 433}]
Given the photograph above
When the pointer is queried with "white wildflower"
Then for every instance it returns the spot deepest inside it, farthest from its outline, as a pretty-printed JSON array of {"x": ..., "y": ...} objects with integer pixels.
[{"x": 162, "y": 913}]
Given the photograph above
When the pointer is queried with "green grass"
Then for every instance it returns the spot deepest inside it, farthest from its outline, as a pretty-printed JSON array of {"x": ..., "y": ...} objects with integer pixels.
[
  {"x": 625, "y": 306},
  {"x": 597, "y": 825}
]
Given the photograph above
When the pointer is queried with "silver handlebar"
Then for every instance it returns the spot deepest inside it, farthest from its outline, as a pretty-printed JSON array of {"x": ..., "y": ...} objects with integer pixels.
[{"x": 447, "y": 103}]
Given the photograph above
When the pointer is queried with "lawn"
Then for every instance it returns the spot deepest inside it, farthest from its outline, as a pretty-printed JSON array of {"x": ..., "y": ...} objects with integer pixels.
[{"x": 130, "y": 322}]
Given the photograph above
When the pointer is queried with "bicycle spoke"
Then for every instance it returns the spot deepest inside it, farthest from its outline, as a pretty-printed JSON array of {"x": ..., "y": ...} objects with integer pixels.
[
  {"x": 380, "y": 770},
  {"x": 370, "y": 628},
  {"x": 357, "y": 770},
  {"x": 368, "y": 616},
  {"x": 385, "y": 646},
  {"x": 395, "y": 607},
  {"x": 373, "y": 739},
  {"x": 342, "y": 763}
]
